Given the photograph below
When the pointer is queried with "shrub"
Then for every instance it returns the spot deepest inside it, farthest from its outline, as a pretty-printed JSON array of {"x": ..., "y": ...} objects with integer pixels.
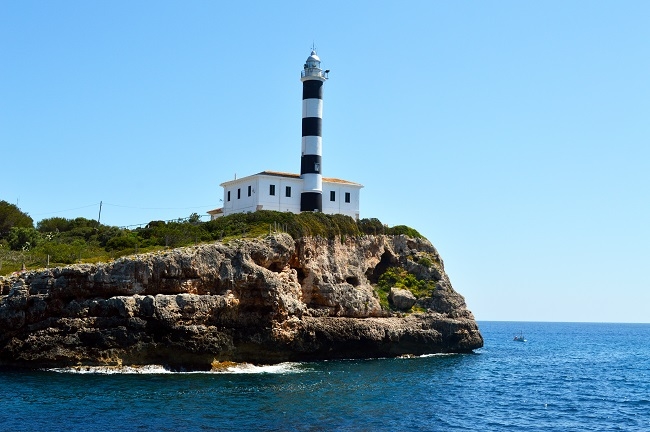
[
  {"x": 400, "y": 278},
  {"x": 11, "y": 216},
  {"x": 61, "y": 253},
  {"x": 125, "y": 241},
  {"x": 68, "y": 240},
  {"x": 297, "y": 225},
  {"x": 23, "y": 238},
  {"x": 55, "y": 224},
  {"x": 425, "y": 262},
  {"x": 105, "y": 234},
  {"x": 405, "y": 230},
  {"x": 371, "y": 226}
]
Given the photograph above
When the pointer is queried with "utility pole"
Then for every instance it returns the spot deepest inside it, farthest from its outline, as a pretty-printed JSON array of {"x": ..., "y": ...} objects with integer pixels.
[{"x": 100, "y": 214}]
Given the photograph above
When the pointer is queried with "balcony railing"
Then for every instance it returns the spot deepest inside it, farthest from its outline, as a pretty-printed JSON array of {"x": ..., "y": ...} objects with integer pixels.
[{"x": 314, "y": 72}]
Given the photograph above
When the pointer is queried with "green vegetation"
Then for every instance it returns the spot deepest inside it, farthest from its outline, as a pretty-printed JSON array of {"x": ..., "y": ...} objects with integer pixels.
[
  {"x": 373, "y": 226},
  {"x": 425, "y": 262},
  {"x": 11, "y": 216},
  {"x": 301, "y": 225},
  {"x": 62, "y": 241},
  {"x": 400, "y": 278}
]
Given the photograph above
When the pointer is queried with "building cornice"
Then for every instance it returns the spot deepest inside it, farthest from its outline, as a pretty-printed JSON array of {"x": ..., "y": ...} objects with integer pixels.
[{"x": 288, "y": 176}]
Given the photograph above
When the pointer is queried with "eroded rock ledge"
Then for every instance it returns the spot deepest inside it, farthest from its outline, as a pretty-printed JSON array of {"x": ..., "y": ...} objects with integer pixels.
[{"x": 261, "y": 301}]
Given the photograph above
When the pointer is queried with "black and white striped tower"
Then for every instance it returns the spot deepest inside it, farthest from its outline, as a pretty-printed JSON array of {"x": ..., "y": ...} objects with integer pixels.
[{"x": 312, "y": 78}]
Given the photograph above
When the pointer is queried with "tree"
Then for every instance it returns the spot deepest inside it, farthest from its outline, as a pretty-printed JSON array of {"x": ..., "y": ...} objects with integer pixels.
[
  {"x": 54, "y": 224},
  {"x": 194, "y": 218},
  {"x": 127, "y": 240},
  {"x": 23, "y": 238},
  {"x": 10, "y": 217}
]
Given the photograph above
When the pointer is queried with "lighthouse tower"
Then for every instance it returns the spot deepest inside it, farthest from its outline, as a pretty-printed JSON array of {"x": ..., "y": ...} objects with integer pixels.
[
  {"x": 308, "y": 191},
  {"x": 312, "y": 77}
]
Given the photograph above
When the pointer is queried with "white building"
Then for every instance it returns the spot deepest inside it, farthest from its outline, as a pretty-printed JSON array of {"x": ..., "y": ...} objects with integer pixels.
[
  {"x": 270, "y": 190},
  {"x": 307, "y": 191}
]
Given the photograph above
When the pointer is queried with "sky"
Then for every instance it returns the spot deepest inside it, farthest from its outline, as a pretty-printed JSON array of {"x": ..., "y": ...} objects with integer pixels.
[{"x": 514, "y": 135}]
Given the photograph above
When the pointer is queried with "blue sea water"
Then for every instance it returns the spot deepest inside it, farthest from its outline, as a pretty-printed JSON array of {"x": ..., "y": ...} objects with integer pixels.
[{"x": 566, "y": 377}]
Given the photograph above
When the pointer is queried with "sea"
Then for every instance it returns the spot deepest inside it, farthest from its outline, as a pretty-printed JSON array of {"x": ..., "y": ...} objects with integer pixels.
[{"x": 565, "y": 377}]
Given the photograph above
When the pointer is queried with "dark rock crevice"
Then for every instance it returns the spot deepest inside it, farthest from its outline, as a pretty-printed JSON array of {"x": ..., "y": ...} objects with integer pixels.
[{"x": 387, "y": 260}]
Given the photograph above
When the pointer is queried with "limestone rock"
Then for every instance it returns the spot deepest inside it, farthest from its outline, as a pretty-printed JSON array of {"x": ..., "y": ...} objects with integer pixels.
[
  {"x": 259, "y": 300},
  {"x": 402, "y": 299}
]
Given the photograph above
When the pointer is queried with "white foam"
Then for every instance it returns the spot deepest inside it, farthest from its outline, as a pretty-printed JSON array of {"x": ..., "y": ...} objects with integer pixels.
[
  {"x": 280, "y": 368},
  {"x": 437, "y": 355},
  {"x": 239, "y": 368},
  {"x": 109, "y": 370}
]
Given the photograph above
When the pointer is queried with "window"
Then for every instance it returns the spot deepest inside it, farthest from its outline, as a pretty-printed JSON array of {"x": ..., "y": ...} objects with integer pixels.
[
  {"x": 332, "y": 196},
  {"x": 249, "y": 190},
  {"x": 272, "y": 190},
  {"x": 228, "y": 198},
  {"x": 347, "y": 197},
  {"x": 238, "y": 193},
  {"x": 288, "y": 192},
  {"x": 317, "y": 167}
]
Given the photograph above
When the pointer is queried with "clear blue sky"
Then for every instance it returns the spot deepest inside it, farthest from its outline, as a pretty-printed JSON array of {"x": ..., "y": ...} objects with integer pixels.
[{"x": 514, "y": 135}]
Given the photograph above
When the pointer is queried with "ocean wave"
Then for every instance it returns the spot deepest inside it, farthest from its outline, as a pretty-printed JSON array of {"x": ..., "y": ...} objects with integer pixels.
[
  {"x": 110, "y": 370},
  {"x": 231, "y": 368},
  {"x": 280, "y": 368},
  {"x": 437, "y": 355}
]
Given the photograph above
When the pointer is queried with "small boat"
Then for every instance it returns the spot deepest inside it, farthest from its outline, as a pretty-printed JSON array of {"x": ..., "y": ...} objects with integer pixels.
[{"x": 519, "y": 338}]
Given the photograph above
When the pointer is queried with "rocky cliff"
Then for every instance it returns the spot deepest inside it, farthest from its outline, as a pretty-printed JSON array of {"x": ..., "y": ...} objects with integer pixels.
[{"x": 261, "y": 301}]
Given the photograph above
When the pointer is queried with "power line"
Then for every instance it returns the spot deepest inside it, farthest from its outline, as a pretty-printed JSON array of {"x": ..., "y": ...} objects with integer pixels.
[
  {"x": 63, "y": 211},
  {"x": 101, "y": 203},
  {"x": 124, "y": 206},
  {"x": 158, "y": 208},
  {"x": 167, "y": 221}
]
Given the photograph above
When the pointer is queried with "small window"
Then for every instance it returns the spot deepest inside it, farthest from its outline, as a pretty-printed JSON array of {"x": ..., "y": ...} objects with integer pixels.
[
  {"x": 347, "y": 197},
  {"x": 288, "y": 192},
  {"x": 332, "y": 196},
  {"x": 238, "y": 193},
  {"x": 272, "y": 190},
  {"x": 249, "y": 190},
  {"x": 228, "y": 196},
  {"x": 317, "y": 167}
]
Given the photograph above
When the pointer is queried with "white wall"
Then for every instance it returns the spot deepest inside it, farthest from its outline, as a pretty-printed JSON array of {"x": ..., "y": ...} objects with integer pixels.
[
  {"x": 339, "y": 206},
  {"x": 242, "y": 204},
  {"x": 279, "y": 201},
  {"x": 260, "y": 194}
]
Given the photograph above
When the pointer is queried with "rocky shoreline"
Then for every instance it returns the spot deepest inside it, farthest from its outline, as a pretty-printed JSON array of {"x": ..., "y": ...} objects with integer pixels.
[{"x": 262, "y": 301}]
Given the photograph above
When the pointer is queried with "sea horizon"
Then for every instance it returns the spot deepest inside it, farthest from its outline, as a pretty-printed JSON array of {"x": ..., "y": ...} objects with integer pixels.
[{"x": 561, "y": 322}]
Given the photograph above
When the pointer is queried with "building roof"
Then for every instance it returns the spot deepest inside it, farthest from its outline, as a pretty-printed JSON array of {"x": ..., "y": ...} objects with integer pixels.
[
  {"x": 215, "y": 211},
  {"x": 295, "y": 176}
]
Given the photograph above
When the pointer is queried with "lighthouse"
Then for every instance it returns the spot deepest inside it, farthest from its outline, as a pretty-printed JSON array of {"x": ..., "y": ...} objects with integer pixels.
[
  {"x": 291, "y": 192},
  {"x": 312, "y": 77}
]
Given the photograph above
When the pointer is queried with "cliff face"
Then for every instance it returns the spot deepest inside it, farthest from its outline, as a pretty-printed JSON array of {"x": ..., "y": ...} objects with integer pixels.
[{"x": 261, "y": 301}]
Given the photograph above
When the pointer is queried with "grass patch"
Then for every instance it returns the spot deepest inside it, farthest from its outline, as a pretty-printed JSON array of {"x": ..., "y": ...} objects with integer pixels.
[{"x": 382, "y": 293}]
